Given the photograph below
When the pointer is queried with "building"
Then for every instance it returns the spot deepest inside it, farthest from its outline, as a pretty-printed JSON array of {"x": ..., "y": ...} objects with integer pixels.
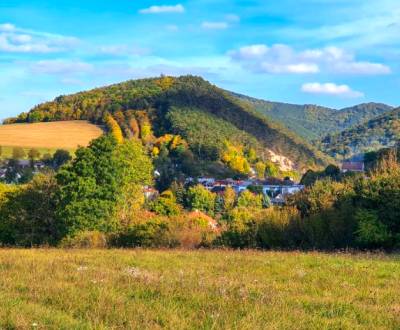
[{"x": 353, "y": 166}]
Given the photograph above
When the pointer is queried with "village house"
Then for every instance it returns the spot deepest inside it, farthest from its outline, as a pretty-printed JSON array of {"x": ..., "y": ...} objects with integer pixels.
[{"x": 353, "y": 166}]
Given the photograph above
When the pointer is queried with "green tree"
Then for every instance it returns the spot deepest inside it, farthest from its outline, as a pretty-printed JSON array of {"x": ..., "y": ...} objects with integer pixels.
[
  {"x": 199, "y": 198},
  {"x": 60, "y": 158},
  {"x": 102, "y": 184},
  {"x": 371, "y": 233},
  {"x": 271, "y": 169},
  {"x": 260, "y": 167},
  {"x": 28, "y": 215},
  {"x": 249, "y": 200},
  {"x": 18, "y": 153},
  {"x": 33, "y": 154},
  {"x": 229, "y": 199},
  {"x": 166, "y": 205}
]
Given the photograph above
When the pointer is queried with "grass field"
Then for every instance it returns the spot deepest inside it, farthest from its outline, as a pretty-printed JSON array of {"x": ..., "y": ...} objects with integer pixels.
[
  {"x": 139, "y": 289},
  {"x": 47, "y": 137}
]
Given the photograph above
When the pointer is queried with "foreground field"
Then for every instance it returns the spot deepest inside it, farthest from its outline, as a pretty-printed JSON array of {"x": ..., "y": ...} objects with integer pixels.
[
  {"x": 112, "y": 289},
  {"x": 53, "y": 135}
]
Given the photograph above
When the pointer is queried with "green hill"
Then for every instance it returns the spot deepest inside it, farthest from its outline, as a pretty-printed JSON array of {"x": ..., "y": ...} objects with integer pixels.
[
  {"x": 314, "y": 122},
  {"x": 380, "y": 132},
  {"x": 205, "y": 115}
]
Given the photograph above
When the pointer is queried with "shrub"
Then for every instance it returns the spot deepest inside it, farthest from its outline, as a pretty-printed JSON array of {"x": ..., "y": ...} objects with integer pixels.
[
  {"x": 250, "y": 200},
  {"x": 165, "y": 206},
  {"x": 85, "y": 240},
  {"x": 199, "y": 198},
  {"x": 371, "y": 233}
]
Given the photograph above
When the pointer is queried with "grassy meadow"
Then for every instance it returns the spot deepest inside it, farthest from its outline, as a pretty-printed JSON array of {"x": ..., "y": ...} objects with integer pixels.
[
  {"x": 145, "y": 289},
  {"x": 47, "y": 137}
]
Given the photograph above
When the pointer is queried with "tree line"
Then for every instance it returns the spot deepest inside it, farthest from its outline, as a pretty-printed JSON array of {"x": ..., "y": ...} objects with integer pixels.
[{"x": 98, "y": 199}]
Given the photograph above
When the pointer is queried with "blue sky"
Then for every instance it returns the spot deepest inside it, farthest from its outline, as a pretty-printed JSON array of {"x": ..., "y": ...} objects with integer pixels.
[{"x": 330, "y": 52}]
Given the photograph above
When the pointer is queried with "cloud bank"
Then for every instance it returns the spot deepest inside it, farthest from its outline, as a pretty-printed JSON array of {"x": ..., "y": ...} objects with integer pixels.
[
  {"x": 330, "y": 89},
  {"x": 178, "y": 9},
  {"x": 280, "y": 58}
]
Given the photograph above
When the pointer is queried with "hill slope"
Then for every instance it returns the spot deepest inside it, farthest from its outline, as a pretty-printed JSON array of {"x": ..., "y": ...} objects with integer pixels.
[
  {"x": 156, "y": 98},
  {"x": 380, "y": 132},
  {"x": 313, "y": 121}
]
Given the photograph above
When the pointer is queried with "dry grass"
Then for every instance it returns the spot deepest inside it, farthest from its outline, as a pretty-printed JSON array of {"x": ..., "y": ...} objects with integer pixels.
[
  {"x": 63, "y": 134},
  {"x": 139, "y": 289}
]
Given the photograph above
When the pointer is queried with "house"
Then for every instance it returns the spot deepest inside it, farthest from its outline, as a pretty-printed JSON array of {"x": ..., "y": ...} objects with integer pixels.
[
  {"x": 353, "y": 166},
  {"x": 24, "y": 163},
  {"x": 150, "y": 193}
]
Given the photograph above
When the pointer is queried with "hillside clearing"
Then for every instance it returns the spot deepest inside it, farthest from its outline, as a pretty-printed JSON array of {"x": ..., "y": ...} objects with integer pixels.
[
  {"x": 51, "y": 135},
  {"x": 140, "y": 289}
]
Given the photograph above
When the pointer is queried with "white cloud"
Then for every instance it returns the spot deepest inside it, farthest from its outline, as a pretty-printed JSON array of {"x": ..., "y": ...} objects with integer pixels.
[
  {"x": 163, "y": 9},
  {"x": 214, "y": 25},
  {"x": 17, "y": 40},
  {"x": 290, "y": 68},
  {"x": 330, "y": 89},
  {"x": 362, "y": 68},
  {"x": 172, "y": 28},
  {"x": 7, "y": 27},
  {"x": 61, "y": 67},
  {"x": 281, "y": 58},
  {"x": 232, "y": 18}
]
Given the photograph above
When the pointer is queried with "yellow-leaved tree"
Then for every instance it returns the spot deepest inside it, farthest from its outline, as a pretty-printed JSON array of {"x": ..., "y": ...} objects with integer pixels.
[
  {"x": 233, "y": 156},
  {"x": 114, "y": 129}
]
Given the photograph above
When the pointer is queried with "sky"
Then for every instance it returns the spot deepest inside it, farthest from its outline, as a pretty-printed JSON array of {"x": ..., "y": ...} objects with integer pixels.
[{"x": 335, "y": 53}]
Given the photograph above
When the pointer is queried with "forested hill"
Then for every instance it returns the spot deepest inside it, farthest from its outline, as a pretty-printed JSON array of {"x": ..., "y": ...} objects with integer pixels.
[
  {"x": 313, "y": 121},
  {"x": 177, "y": 106},
  {"x": 380, "y": 132}
]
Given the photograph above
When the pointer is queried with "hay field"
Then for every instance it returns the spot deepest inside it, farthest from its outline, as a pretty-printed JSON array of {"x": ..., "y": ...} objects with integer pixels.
[
  {"x": 145, "y": 289},
  {"x": 63, "y": 134}
]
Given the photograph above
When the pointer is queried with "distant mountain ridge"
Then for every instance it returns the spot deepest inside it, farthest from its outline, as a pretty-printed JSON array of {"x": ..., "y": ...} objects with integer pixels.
[
  {"x": 205, "y": 115},
  {"x": 377, "y": 133},
  {"x": 313, "y": 122}
]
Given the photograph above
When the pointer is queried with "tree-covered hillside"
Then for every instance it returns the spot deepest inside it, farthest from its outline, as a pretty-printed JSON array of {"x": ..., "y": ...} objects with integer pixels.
[
  {"x": 190, "y": 106},
  {"x": 313, "y": 121},
  {"x": 380, "y": 132}
]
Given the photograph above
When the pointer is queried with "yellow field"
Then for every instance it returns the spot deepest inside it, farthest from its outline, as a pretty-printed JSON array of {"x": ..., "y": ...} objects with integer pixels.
[{"x": 63, "y": 134}]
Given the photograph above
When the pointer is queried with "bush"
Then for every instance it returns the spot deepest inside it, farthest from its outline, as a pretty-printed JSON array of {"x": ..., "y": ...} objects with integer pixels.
[
  {"x": 165, "y": 206},
  {"x": 199, "y": 198},
  {"x": 147, "y": 230},
  {"x": 250, "y": 200},
  {"x": 85, "y": 240},
  {"x": 371, "y": 233}
]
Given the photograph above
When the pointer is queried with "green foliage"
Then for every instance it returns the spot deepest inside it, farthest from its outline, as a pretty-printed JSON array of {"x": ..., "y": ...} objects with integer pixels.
[
  {"x": 199, "y": 198},
  {"x": 250, "y": 200},
  {"x": 229, "y": 199},
  {"x": 370, "y": 233},
  {"x": 271, "y": 169},
  {"x": 166, "y": 205},
  {"x": 382, "y": 131},
  {"x": 27, "y": 213},
  {"x": 98, "y": 180},
  {"x": 166, "y": 102},
  {"x": 33, "y": 154},
  {"x": 260, "y": 169},
  {"x": 314, "y": 122},
  {"x": 331, "y": 171},
  {"x": 18, "y": 153},
  {"x": 85, "y": 240},
  {"x": 60, "y": 158}
]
